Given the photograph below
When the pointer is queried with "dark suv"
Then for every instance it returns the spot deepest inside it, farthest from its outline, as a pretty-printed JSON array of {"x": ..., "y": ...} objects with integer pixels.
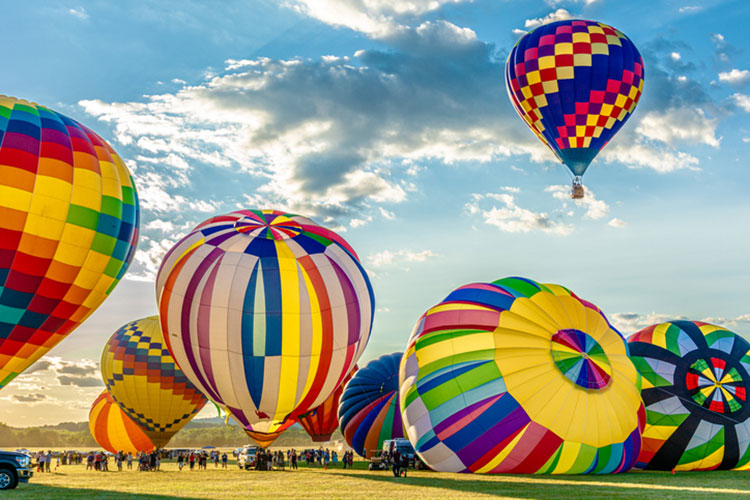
[{"x": 14, "y": 468}]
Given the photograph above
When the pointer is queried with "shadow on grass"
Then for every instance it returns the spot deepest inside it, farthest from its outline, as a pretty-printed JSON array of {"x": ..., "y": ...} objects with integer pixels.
[
  {"x": 44, "y": 492},
  {"x": 536, "y": 487}
]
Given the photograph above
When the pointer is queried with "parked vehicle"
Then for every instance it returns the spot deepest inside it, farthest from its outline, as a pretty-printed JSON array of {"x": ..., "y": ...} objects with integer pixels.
[
  {"x": 403, "y": 446},
  {"x": 14, "y": 468},
  {"x": 246, "y": 457}
]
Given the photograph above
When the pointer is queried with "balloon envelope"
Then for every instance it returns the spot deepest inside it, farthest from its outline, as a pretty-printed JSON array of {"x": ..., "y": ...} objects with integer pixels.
[
  {"x": 113, "y": 430},
  {"x": 144, "y": 380},
  {"x": 369, "y": 411},
  {"x": 574, "y": 83},
  {"x": 696, "y": 378},
  {"x": 68, "y": 229},
  {"x": 265, "y": 433},
  {"x": 266, "y": 312},
  {"x": 516, "y": 376},
  {"x": 321, "y": 422}
]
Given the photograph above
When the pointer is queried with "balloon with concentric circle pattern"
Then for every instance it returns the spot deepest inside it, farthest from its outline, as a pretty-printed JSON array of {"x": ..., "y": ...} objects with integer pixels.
[
  {"x": 516, "y": 376},
  {"x": 266, "y": 312},
  {"x": 696, "y": 378}
]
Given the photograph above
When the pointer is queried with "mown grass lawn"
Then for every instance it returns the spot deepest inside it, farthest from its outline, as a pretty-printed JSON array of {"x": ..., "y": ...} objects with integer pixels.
[{"x": 73, "y": 482}]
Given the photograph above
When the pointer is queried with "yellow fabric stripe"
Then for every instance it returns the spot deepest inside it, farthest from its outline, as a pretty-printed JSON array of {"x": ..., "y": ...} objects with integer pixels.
[{"x": 289, "y": 329}]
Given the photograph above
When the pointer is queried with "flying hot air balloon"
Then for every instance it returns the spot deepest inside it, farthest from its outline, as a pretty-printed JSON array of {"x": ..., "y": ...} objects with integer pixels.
[
  {"x": 266, "y": 312},
  {"x": 696, "y": 379},
  {"x": 113, "y": 430},
  {"x": 68, "y": 229},
  {"x": 369, "y": 410},
  {"x": 516, "y": 376},
  {"x": 321, "y": 422},
  {"x": 144, "y": 380},
  {"x": 574, "y": 83}
]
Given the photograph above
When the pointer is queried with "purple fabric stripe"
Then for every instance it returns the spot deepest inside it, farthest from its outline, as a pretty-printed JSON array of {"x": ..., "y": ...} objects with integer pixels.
[
  {"x": 352, "y": 303},
  {"x": 185, "y": 316},
  {"x": 491, "y": 437},
  {"x": 455, "y": 417},
  {"x": 204, "y": 322}
]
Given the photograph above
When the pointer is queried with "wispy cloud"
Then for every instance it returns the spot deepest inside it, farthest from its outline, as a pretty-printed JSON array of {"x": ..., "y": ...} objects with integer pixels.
[
  {"x": 79, "y": 13},
  {"x": 630, "y": 322},
  {"x": 557, "y": 15},
  {"x": 735, "y": 76},
  {"x": 502, "y": 211},
  {"x": 398, "y": 257}
]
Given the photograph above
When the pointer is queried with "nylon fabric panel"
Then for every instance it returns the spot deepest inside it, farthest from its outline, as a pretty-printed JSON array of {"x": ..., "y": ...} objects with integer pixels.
[
  {"x": 68, "y": 229},
  {"x": 284, "y": 318},
  {"x": 545, "y": 408}
]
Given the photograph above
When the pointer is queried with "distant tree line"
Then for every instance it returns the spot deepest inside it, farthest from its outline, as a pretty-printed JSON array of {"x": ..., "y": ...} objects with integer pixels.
[{"x": 198, "y": 433}]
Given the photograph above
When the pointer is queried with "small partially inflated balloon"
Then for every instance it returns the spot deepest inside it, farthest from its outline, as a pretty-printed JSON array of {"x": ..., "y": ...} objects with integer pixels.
[{"x": 113, "y": 430}]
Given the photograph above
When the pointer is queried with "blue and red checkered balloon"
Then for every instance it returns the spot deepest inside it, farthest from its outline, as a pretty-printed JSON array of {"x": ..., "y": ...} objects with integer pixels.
[{"x": 574, "y": 83}]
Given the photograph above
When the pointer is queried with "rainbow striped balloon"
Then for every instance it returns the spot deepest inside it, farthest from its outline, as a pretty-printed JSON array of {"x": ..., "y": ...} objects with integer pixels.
[
  {"x": 113, "y": 430},
  {"x": 369, "y": 410},
  {"x": 266, "y": 312},
  {"x": 144, "y": 380},
  {"x": 68, "y": 229},
  {"x": 516, "y": 376}
]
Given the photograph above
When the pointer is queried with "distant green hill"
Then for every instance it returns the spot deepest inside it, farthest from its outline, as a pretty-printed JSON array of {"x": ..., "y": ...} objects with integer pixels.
[{"x": 197, "y": 433}]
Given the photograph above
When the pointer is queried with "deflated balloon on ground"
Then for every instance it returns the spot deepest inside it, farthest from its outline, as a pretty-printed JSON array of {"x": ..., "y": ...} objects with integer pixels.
[
  {"x": 516, "y": 376},
  {"x": 696, "y": 378}
]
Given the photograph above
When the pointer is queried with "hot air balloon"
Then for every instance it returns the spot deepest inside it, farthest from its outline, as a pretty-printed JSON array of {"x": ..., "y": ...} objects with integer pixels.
[
  {"x": 113, "y": 430},
  {"x": 369, "y": 410},
  {"x": 144, "y": 380},
  {"x": 68, "y": 229},
  {"x": 265, "y": 433},
  {"x": 574, "y": 83},
  {"x": 516, "y": 376},
  {"x": 321, "y": 422},
  {"x": 265, "y": 312},
  {"x": 696, "y": 378}
]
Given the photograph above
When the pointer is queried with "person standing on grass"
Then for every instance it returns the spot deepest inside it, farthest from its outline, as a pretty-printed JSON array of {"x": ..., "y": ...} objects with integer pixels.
[
  {"x": 216, "y": 460},
  {"x": 396, "y": 462},
  {"x": 293, "y": 459},
  {"x": 48, "y": 461},
  {"x": 180, "y": 460},
  {"x": 335, "y": 459},
  {"x": 130, "y": 460},
  {"x": 405, "y": 463},
  {"x": 118, "y": 460},
  {"x": 326, "y": 459},
  {"x": 224, "y": 460},
  {"x": 191, "y": 460}
]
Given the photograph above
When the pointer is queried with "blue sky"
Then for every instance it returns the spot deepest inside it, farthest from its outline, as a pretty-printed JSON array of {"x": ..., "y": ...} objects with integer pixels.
[{"x": 390, "y": 122}]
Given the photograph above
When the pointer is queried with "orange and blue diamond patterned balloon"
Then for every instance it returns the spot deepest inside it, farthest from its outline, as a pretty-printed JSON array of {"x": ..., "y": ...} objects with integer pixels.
[
  {"x": 68, "y": 229},
  {"x": 696, "y": 378},
  {"x": 574, "y": 83},
  {"x": 146, "y": 383},
  {"x": 516, "y": 376}
]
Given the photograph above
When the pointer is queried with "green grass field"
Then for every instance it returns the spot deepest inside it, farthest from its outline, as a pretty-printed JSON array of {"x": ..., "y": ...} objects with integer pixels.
[{"x": 73, "y": 482}]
